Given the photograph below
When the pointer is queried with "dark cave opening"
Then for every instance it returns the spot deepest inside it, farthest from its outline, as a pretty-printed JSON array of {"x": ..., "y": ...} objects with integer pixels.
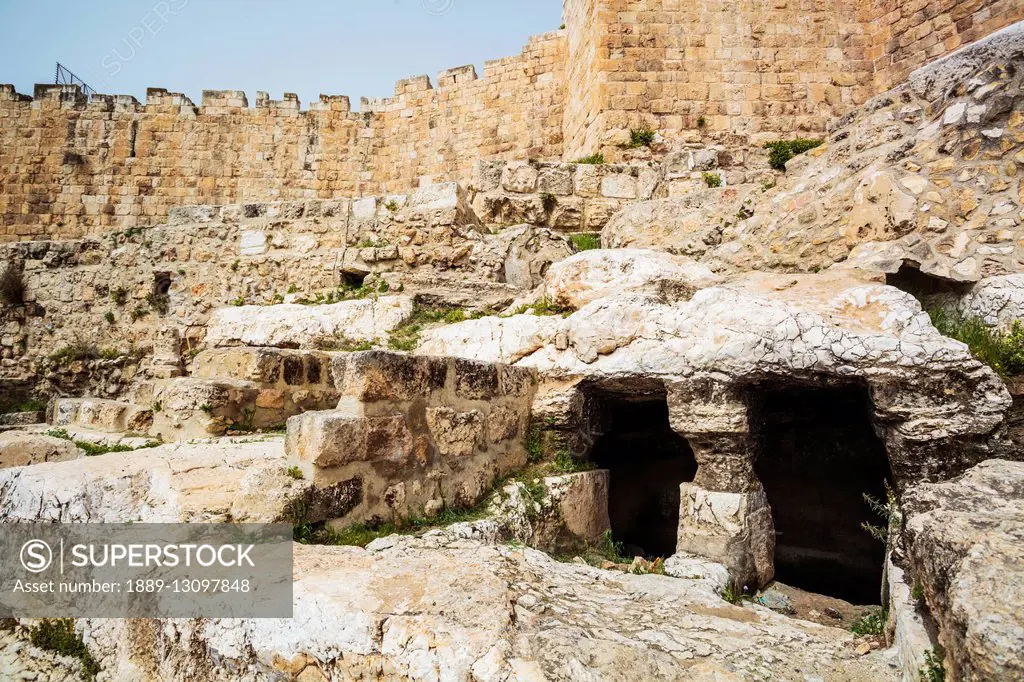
[
  {"x": 817, "y": 457},
  {"x": 921, "y": 285},
  {"x": 647, "y": 462}
]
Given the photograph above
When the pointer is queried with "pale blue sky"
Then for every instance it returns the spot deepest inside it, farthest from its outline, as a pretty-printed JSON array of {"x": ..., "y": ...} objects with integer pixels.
[{"x": 339, "y": 47}]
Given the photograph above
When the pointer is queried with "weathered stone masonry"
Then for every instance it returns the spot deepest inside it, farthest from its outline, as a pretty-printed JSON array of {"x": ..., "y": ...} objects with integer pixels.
[{"x": 713, "y": 73}]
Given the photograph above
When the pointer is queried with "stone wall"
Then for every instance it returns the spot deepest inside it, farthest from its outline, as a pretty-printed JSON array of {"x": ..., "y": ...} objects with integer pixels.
[
  {"x": 712, "y": 72},
  {"x": 712, "y": 69},
  {"x": 564, "y": 196},
  {"x": 414, "y": 435},
  {"x": 907, "y": 35},
  {"x": 73, "y": 167}
]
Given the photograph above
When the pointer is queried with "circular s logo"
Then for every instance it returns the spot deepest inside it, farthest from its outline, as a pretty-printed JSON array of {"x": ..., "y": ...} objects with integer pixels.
[
  {"x": 36, "y": 556},
  {"x": 438, "y": 7}
]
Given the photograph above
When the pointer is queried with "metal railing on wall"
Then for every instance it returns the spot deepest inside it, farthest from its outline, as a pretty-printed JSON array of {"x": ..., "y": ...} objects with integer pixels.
[{"x": 66, "y": 77}]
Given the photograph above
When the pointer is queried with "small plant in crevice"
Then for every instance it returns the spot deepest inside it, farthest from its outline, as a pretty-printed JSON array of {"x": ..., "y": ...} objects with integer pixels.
[
  {"x": 95, "y": 449},
  {"x": 549, "y": 201},
  {"x": 641, "y": 137},
  {"x": 161, "y": 303},
  {"x": 295, "y": 473},
  {"x": 917, "y": 593},
  {"x": 585, "y": 241},
  {"x": 934, "y": 668},
  {"x": 702, "y": 122},
  {"x": 871, "y": 624},
  {"x": 888, "y": 511},
  {"x": 238, "y": 302},
  {"x": 392, "y": 206},
  {"x": 139, "y": 313},
  {"x": 119, "y": 295},
  {"x": 73, "y": 352},
  {"x": 736, "y": 594},
  {"x": 59, "y": 636},
  {"x": 596, "y": 159},
  {"x": 781, "y": 151},
  {"x": 109, "y": 317},
  {"x": 339, "y": 342},
  {"x": 12, "y": 285},
  {"x": 712, "y": 179},
  {"x": 534, "y": 444}
]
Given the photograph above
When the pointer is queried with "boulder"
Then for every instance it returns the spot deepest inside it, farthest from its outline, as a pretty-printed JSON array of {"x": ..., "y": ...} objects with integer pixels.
[
  {"x": 180, "y": 483},
  {"x": 588, "y": 276},
  {"x": 965, "y": 547},
  {"x": 18, "y": 449}
]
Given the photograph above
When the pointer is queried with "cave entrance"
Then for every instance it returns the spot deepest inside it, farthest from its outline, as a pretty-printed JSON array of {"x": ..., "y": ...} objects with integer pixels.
[
  {"x": 817, "y": 456},
  {"x": 647, "y": 461},
  {"x": 923, "y": 286}
]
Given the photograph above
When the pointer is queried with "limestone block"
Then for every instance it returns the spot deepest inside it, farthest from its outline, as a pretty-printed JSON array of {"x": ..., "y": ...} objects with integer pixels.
[
  {"x": 296, "y": 325},
  {"x": 335, "y": 438},
  {"x": 253, "y": 243},
  {"x": 18, "y": 449},
  {"x": 964, "y": 547},
  {"x": 619, "y": 186},
  {"x": 519, "y": 177},
  {"x": 734, "y": 529},
  {"x": 101, "y": 415},
  {"x": 379, "y": 376},
  {"x": 457, "y": 434},
  {"x": 364, "y": 208},
  {"x": 556, "y": 179},
  {"x": 531, "y": 254},
  {"x": 486, "y": 175}
]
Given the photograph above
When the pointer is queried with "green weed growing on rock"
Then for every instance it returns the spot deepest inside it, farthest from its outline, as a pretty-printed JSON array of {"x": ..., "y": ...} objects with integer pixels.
[
  {"x": 59, "y": 636},
  {"x": 781, "y": 151},
  {"x": 1002, "y": 351}
]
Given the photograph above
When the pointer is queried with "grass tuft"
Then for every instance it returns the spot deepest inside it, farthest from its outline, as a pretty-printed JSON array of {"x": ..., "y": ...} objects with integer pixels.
[
  {"x": 585, "y": 241},
  {"x": 781, "y": 151},
  {"x": 59, "y": 636},
  {"x": 641, "y": 137},
  {"x": 592, "y": 160},
  {"x": 1003, "y": 352}
]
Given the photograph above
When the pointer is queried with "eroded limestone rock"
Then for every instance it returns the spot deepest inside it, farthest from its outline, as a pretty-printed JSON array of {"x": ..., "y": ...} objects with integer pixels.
[
  {"x": 18, "y": 448},
  {"x": 294, "y": 326},
  {"x": 965, "y": 546}
]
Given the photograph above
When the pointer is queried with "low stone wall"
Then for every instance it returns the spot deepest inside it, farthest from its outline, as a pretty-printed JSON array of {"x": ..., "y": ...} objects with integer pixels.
[
  {"x": 414, "y": 434},
  {"x": 242, "y": 389},
  {"x": 566, "y": 196}
]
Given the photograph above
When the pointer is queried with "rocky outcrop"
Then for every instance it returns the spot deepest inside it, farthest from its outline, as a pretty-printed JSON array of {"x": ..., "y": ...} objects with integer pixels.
[
  {"x": 450, "y": 607},
  {"x": 679, "y": 226},
  {"x": 965, "y": 547},
  {"x": 926, "y": 174},
  {"x": 294, "y": 326},
  {"x": 202, "y": 482}
]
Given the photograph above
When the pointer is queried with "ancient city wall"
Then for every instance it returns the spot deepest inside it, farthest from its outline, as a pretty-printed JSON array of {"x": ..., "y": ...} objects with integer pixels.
[
  {"x": 907, "y": 35},
  {"x": 713, "y": 68},
  {"x": 73, "y": 168},
  {"x": 710, "y": 72}
]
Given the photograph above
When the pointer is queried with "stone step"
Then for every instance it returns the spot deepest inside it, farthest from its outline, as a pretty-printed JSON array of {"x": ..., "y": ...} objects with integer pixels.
[{"x": 102, "y": 415}]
